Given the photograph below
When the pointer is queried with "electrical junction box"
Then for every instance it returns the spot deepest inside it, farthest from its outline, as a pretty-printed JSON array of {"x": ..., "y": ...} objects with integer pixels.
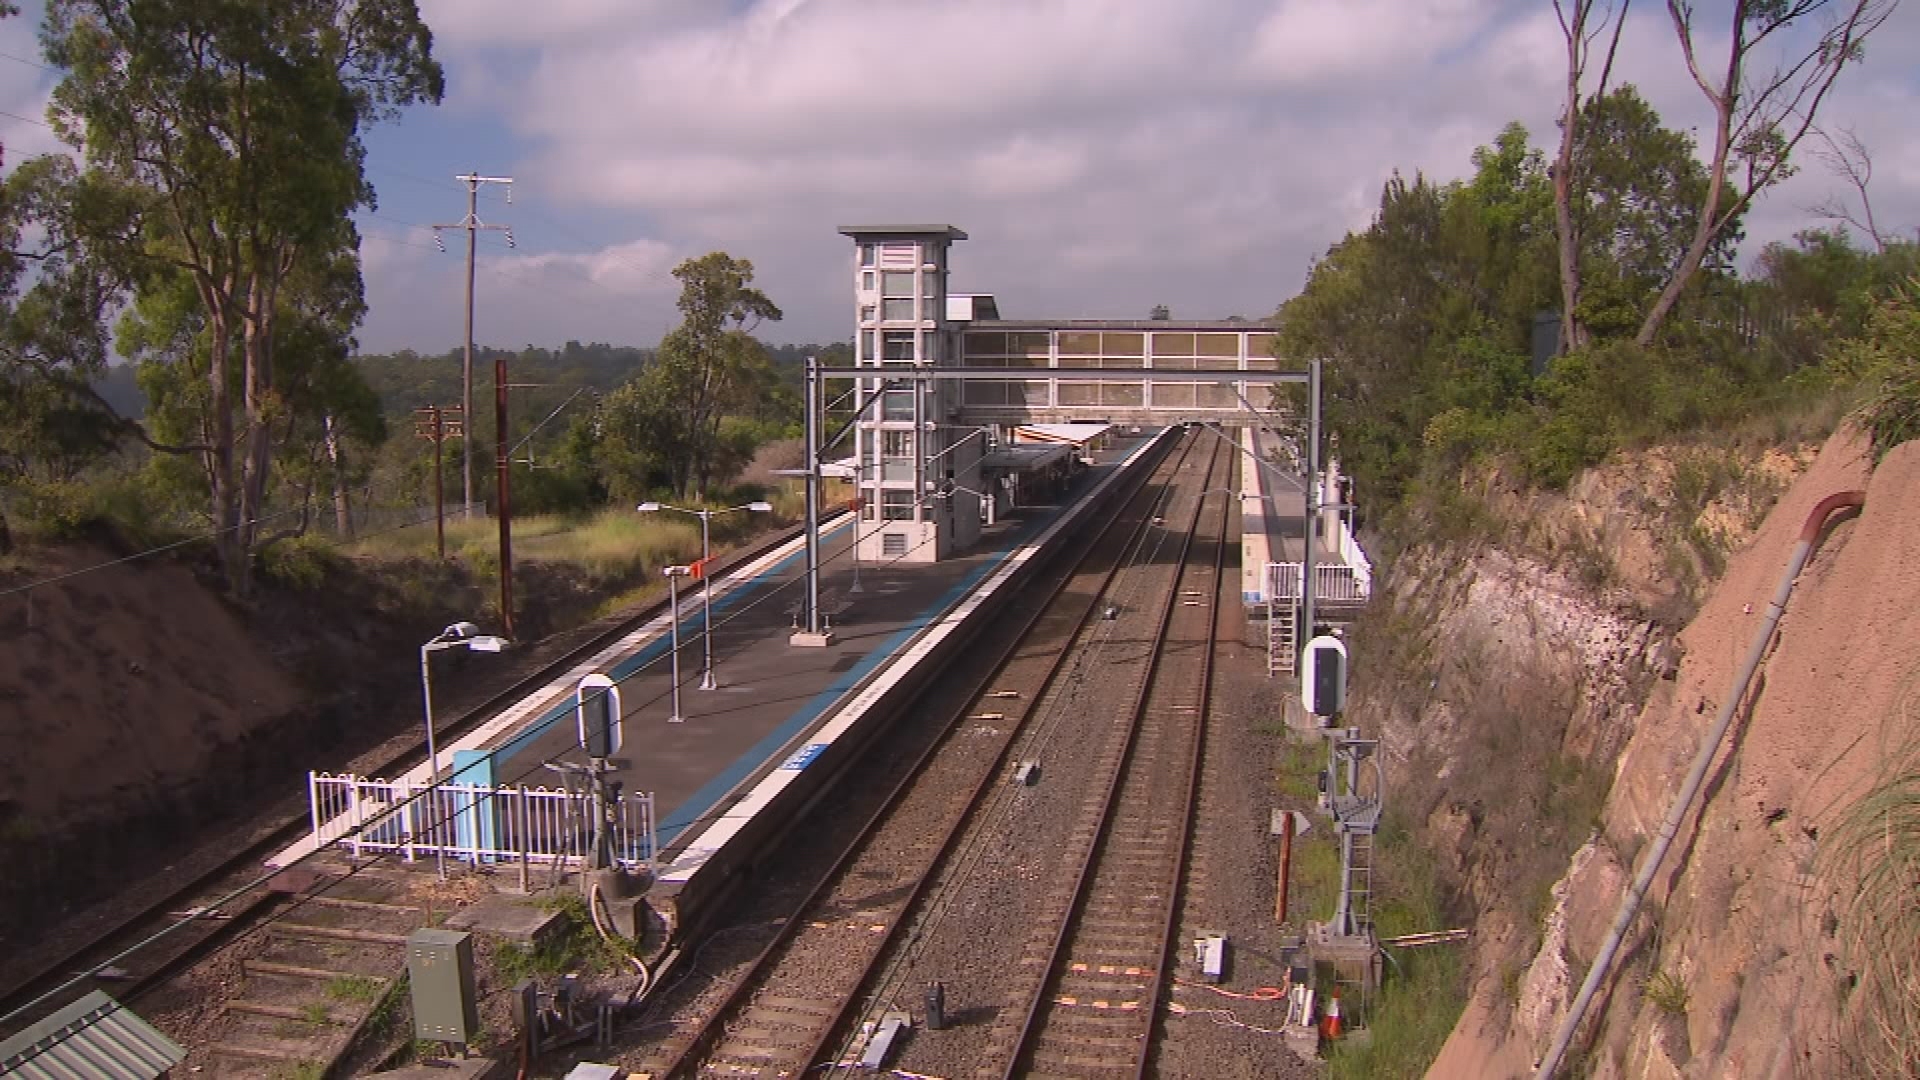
[{"x": 440, "y": 970}]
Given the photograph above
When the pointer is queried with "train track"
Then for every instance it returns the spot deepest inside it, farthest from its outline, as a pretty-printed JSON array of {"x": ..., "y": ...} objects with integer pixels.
[
  {"x": 793, "y": 1002},
  {"x": 195, "y": 928},
  {"x": 1095, "y": 1009}
]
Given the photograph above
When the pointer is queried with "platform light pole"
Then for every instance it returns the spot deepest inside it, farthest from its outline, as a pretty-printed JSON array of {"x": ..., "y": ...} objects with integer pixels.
[
  {"x": 461, "y": 635},
  {"x": 707, "y": 680},
  {"x": 812, "y": 428},
  {"x": 673, "y": 575}
]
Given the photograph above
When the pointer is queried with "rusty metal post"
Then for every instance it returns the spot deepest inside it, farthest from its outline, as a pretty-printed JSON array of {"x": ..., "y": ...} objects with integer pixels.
[
  {"x": 1286, "y": 867},
  {"x": 439, "y": 489}
]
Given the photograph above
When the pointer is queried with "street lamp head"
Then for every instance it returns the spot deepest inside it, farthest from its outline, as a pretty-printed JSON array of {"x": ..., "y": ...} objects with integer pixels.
[
  {"x": 760, "y": 507},
  {"x": 648, "y": 508},
  {"x": 459, "y": 631}
]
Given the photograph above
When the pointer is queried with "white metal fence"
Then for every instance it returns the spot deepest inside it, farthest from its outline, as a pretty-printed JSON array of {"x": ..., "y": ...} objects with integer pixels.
[
  {"x": 1334, "y": 583},
  {"x": 475, "y": 822}
]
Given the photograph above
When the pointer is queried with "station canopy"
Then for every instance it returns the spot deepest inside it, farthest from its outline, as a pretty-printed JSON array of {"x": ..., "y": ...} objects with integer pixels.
[
  {"x": 1073, "y": 434},
  {"x": 1024, "y": 458}
]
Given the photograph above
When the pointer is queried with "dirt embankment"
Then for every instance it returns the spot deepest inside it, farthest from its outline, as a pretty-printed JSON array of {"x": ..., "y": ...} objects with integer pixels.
[
  {"x": 139, "y": 708},
  {"x": 1737, "y": 966}
]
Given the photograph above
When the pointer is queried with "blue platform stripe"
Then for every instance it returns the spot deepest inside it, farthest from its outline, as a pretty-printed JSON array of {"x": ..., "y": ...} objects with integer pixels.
[{"x": 700, "y": 802}]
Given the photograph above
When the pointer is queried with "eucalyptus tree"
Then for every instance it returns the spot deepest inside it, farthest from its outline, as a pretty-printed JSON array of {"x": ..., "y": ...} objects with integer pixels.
[
  {"x": 1759, "y": 116},
  {"x": 232, "y": 130},
  {"x": 679, "y": 422}
]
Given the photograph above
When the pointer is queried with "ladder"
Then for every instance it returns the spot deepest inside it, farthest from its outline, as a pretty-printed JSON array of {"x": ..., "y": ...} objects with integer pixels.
[
  {"x": 1281, "y": 643},
  {"x": 1283, "y": 586},
  {"x": 1360, "y": 881}
]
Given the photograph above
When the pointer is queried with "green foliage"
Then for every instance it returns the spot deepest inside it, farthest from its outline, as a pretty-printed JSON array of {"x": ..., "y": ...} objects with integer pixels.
[
  {"x": 223, "y": 158},
  {"x": 575, "y": 947},
  {"x": 1886, "y": 357},
  {"x": 1426, "y": 317},
  {"x": 1870, "y": 859},
  {"x": 1420, "y": 1000},
  {"x": 1667, "y": 992},
  {"x": 298, "y": 562},
  {"x": 354, "y": 988},
  {"x": 693, "y": 418}
]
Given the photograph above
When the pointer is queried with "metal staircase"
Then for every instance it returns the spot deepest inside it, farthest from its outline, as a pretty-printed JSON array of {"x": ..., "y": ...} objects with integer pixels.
[{"x": 1282, "y": 636}]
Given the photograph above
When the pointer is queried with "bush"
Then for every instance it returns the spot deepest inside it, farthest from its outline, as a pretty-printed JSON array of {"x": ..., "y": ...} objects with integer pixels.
[
  {"x": 300, "y": 563},
  {"x": 1887, "y": 358}
]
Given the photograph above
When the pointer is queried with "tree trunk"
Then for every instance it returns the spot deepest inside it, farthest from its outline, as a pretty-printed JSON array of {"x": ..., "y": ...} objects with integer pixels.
[
  {"x": 342, "y": 506},
  {"x": 257, "y": 341},
  {"x": 1709, "y": 223},
  {"x": 1572, "y": 333},
  {"x": 226, "y": 538}
]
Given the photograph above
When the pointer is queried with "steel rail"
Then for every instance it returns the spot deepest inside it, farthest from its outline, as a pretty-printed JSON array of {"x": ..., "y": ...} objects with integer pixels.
[
  {"x": 1032, "y": 1026},
  {"x": 713, "y": 1026},
  {"x": 244, "y": 863}
]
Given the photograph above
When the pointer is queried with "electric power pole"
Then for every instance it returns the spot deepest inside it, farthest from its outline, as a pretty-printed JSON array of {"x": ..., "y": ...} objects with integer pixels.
[
  {"x": 437, "y": 424},
  {"x": 472, "y": 224}
]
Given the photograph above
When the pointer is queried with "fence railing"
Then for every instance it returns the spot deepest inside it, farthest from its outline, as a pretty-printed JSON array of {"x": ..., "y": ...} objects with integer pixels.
[
  {"x": 475, "y": 822},
  {"x": 1350, "y": 553},
  {"x": 1335, "y": 583}
]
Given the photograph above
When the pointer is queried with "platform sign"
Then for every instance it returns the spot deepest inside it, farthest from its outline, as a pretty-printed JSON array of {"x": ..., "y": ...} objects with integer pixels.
[
  {"x": 597, "y": 713},
  {"x": 803, "y": 757}
]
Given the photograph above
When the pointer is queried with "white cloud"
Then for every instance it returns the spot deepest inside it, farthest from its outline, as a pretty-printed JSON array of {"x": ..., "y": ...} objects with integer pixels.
[{"x": 1105, "y": 155}]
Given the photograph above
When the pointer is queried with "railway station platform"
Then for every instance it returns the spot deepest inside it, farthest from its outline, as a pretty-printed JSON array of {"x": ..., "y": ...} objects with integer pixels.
[{"x": 740, "y": 758}]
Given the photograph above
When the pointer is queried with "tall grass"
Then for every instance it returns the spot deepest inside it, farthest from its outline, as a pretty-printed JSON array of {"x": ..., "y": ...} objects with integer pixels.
[
  {"x": 1424, "y": 990},
  {"x": 614, "y": 543},
  {"x": 1873, "y": 860}
]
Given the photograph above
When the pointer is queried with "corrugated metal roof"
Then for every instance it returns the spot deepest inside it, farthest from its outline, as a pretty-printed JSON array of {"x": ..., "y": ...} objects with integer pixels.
[
  {"x": 95, "y": 1038},
  {"x": 1069, "y": 433},
  {"x": 1029, "y": 456}
]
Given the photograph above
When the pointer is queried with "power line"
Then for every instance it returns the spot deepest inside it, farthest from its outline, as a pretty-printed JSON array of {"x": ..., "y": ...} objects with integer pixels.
[
  {"x": 29, "y": 63},
  {"x": 27, "y": 119}
]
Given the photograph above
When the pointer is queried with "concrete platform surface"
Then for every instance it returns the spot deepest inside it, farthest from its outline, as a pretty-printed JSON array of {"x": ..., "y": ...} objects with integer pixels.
[
  {"x": 769, "y": 692},
  {"x": 516, "y": 918}
]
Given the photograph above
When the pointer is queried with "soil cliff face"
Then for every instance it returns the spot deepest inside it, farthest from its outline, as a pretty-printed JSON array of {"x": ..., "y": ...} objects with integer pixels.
[{"x": 1737, "y": 965}]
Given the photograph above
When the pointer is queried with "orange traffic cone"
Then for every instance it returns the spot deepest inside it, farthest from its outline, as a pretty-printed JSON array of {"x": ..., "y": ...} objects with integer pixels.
[{"x": 1330, "y": 1023}]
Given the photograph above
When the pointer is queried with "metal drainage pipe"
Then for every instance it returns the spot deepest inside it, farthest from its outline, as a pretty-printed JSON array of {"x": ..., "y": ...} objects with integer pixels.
[{"x": 1709, "y": 748}]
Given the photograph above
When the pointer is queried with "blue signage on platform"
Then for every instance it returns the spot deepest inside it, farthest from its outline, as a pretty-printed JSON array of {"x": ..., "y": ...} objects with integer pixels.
[{"x": 803, "y": 757}]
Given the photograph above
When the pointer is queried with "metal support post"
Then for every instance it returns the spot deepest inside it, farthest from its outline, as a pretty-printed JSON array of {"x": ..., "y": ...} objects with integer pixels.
[
  {"x": 433, "y": 764},
  {"x": 811, "y": 632},
  {"x": 813, "y": 495},
  {"x": 706, "y": 603},
  {"x": 472, "y": 225},
  {"x": 673, "y": 606},
  {"x": 1312, "y": 486}
]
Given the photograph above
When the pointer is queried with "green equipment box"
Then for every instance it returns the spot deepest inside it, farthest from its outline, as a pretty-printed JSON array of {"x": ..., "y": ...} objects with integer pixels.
[{"x": 440, "y": 968}]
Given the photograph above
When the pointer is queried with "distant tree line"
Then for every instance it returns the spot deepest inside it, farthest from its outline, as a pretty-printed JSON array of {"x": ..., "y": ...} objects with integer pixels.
[{"x": 203, "y": 232}]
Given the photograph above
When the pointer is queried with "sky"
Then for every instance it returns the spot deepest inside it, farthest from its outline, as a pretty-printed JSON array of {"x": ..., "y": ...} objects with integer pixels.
[{"x": 1105, "y": 156}]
